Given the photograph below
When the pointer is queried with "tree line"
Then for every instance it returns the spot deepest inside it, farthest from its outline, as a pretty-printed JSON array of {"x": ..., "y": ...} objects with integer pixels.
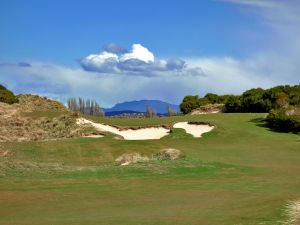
[
  {"x": 152, "y": 113},
  {"x": 281, "y": 102},
  {"x": 86, "y": 107},
  {"x": 253, "y": 100}
]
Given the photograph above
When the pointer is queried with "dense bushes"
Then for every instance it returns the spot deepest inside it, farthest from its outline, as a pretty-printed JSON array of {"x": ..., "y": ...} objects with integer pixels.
[
  {"x": 283, "y": 103},
  {"x": 279, "y": 120},
  {"x": 189, "y": 103},
  {"x": 7, "y": 96},
  {"x": 253, "y": 100},
  {"x": 260, "y": 100}
]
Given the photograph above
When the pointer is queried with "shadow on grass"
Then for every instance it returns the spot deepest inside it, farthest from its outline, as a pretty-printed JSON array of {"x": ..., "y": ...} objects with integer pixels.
[{"x": 262, "y": 122}]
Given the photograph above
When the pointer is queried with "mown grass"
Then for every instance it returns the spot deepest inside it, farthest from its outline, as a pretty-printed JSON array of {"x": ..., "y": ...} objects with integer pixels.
[{"x": 240, "y": 173}]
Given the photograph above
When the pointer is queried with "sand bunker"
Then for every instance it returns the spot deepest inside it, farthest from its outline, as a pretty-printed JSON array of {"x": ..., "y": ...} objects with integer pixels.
[
  {"x": 94, "y": 136},
  {"x": 130, "y": 134},
  {"x": 148, "y": 133},
  {"x": 293, "y": 213},
  {"x": 194, "y": 129}
]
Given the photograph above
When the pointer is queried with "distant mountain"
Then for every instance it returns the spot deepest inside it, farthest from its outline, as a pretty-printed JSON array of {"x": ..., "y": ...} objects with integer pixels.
[{"x": 160, "y": 107}]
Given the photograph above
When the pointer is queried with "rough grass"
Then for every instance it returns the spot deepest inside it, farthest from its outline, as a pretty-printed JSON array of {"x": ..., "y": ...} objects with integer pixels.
[{"x": 240, "y": 173}]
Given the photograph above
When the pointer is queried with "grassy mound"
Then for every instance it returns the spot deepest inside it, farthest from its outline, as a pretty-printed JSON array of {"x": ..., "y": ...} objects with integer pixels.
[{"x": 39, "y": 118}]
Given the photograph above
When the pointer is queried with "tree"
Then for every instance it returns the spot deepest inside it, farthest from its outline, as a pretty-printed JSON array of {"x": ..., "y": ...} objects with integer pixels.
[
  {"x": 252, "y": 100},
  {"x": 233, "y": 104},
  {"x": 212, "y": 98},
  {"x": 72, "y": 104},
  {"x": 189, "y": 103},
  {"x": 87, "y": 107},
  {"x": 282, "y": 99},
  {"x": 170, "y": 111},
  {"x": 149, "y": 112}
]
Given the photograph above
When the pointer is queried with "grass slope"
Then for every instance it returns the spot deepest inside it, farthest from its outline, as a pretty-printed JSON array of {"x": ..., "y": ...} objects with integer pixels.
[{"x": 241, "y": 173}]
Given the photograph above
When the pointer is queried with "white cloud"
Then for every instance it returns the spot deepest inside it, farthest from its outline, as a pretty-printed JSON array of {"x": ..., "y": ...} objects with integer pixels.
[
  {"x": 139, "y": 61},
  {"x": 103, "y": 62},
  {"x": 138, "y": 52},
  {"x": 101, "y": 58}
]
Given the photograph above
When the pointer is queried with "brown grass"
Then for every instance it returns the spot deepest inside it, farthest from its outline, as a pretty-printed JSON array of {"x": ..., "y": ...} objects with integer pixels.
[
  {"x": 17, "y": 124},
  {"x": 168, "y": 154},
  {"x": 129, "y": 158}
]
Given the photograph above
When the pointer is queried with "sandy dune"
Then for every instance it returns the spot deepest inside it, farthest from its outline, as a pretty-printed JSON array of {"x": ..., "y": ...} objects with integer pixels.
[
  {"x": 194, "y": 129},
  {"x": 148, "y": 133}
]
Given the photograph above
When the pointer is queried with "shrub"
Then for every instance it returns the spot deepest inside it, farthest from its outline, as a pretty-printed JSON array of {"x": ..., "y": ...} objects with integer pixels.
[
  {"x": 253, "y": 100},
  {"x": 128, "y": 158},
  {"x": 168, "y": 154},
  {"x": 189, "y": 103},
  {"x": 278, "y": 120},
  {"x": 7, "y": 96}
]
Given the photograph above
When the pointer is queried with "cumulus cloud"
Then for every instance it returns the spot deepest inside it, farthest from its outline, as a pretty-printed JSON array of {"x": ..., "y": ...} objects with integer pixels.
[
  {"x": 138, "y": 61},
  {"x": 140, "y": 53},
  {"x": 106, "y": 62}
]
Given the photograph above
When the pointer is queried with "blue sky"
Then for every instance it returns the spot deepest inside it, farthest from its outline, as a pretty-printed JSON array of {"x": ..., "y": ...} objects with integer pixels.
[{"x": 197, "y": 46}]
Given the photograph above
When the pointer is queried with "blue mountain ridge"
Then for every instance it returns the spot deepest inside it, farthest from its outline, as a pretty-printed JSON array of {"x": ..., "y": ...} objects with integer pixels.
[{"x": 158, "y": 106}]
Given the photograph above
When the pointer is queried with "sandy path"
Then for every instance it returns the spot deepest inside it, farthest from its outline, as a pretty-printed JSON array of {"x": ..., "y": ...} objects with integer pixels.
[
  {"x": 194, "y": 129},
  {"x": 130, "y": 134}
]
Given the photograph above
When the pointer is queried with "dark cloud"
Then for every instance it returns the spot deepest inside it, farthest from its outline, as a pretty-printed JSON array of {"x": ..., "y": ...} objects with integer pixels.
[
  {"x": 107, "y": 66},
  {"x": 134, "y": 65},
  {"x": 24, "y": 64},
  {"x": 20, "y": 64},
  {"x": 114, "y": 48},
  {"x": 175, "y": 64}
]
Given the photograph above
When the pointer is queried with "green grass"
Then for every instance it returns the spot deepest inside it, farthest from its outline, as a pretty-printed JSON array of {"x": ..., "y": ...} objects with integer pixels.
[{"x": 240, "y": 173}]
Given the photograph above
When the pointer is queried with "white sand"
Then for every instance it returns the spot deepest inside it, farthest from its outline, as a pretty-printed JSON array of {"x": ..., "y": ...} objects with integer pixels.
[
  {"x": 94, "y": 136},
  {"x": 130, "y": 134},
  {"x": 194, "y": 129},
  {"x": 148, "y": 133},
  {"x": 202, "y": 113}
]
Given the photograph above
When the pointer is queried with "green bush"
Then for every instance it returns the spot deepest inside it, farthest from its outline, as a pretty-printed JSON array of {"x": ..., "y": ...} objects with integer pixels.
[
  {"x": 278, "y": 120},
  {"x": 253, "y": 100},
  {"x": 189, "y": 103},
  {"x": 7, "y": 96},
  {"x": 233, "y": 104}
]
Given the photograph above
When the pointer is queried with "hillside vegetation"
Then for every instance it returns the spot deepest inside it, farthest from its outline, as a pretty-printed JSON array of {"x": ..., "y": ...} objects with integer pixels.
[
  {"x": 38, "y": 118},
  {"x": 282, "y": 101},
  {"x": 253, "y": 100},
  {"x": 7, "y": 96}
]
